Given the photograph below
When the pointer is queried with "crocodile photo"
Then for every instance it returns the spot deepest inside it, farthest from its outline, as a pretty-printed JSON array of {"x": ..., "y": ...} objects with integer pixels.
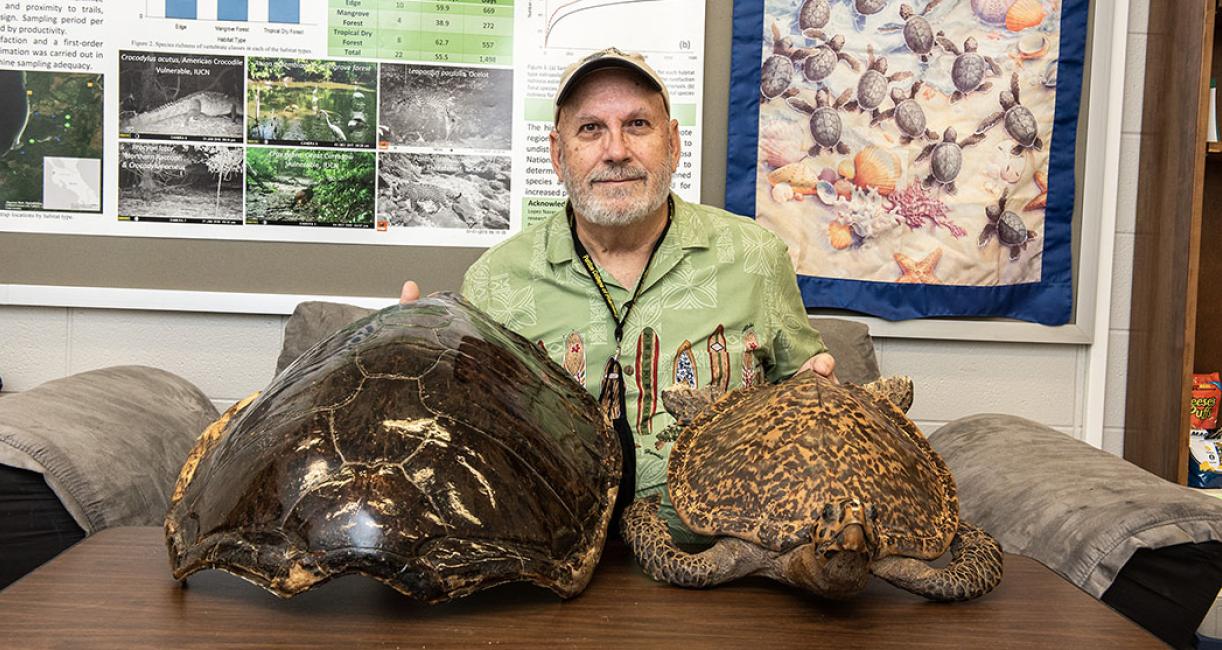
[{"x": 205, "y": 103}]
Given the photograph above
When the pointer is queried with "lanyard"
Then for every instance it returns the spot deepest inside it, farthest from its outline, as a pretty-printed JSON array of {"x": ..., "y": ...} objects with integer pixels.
[
  {"x": 611, "y": 396},
  {"x": 597, "y": 278}
]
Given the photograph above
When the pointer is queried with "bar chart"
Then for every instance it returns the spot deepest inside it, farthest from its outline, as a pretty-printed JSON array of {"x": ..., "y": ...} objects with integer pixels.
[{"x": 269, "y": 11}]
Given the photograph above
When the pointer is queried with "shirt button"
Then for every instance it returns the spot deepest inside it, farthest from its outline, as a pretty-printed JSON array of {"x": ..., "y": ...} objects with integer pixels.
[{"x": 628, "y": 370}]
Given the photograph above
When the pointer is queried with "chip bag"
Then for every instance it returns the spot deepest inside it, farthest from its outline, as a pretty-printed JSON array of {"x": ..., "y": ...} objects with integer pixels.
[{"x": 1203, "y": 407}]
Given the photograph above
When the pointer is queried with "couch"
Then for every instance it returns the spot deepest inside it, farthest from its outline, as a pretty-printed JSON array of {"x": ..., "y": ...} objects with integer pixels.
[{"x": 102, "y": 448}]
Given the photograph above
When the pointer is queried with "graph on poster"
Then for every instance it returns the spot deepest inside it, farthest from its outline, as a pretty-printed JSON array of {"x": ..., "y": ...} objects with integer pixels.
[
  {"x": 346, "y": 121},
  {"x": 667, "y": 29}
]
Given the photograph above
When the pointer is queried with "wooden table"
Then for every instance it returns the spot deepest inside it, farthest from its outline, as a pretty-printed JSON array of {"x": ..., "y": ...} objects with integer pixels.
[{"x": 114, "y": 590}]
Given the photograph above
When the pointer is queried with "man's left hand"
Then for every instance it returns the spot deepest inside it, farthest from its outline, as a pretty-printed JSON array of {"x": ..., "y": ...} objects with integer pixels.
[{"x": 823, "y": 364}]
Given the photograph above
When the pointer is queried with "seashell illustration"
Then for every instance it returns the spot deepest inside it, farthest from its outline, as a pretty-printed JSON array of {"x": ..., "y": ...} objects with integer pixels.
[
  {"x": 992, "y": 12},
  {"x": 839, "y": 235},
  {"x": 828, "y": 174},
  {"x": 826, "y": 192},
  {"x": 1013, "y": 168},
  {"x": 1023, "y": 14},
  {"x": 802, "y": 175},
  {"x": 1049, "y": 76},
  {"x": 783, "y": 142},
  {"x": 782, "y": 192},
  {"x": 845, "y": 169},
  {"x": 878, "y": 168},
  {"x": 844, "y": 189},
  {"x": 1032, "y": 46}
]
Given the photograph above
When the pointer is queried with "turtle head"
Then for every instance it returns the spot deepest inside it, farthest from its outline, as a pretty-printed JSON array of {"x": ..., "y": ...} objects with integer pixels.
[
  {"x": 1007, "y": 99},
  {"x": 949, "y": 135},
  {"x": 906, "y": 11},
  {"x": 846, "y": 525},
  {"x": 685, "y": 403},
  {"x": 837, "y": 42},
  {"x": 970, "y": 44},
  {"x": 836, "y": 562}
]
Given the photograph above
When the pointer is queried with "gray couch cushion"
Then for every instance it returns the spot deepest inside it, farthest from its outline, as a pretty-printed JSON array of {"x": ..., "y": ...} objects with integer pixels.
[
  {"x": 852, "y": 346},
  {"x": 1078, "y": 510},
  {"x": 313, "y": 321},
  {"x": 109, "y": 442}
]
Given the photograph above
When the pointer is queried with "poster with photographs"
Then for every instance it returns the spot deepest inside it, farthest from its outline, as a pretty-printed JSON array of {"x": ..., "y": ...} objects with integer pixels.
[
  {"x": 180, "y": 183},
  {"x": 444, "y": 191},
  {"x": 180, "y": 96},
  {"x": 350, "y": 121}
]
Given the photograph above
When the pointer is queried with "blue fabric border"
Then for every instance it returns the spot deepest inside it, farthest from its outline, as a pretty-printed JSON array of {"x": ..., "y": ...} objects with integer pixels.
[{"x": 1049, "y": 302}]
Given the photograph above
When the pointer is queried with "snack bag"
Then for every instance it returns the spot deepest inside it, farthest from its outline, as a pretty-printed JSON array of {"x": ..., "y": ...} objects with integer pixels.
[
  {"x": 1203, "y": 407},
  {"x": 1204, "y": 463}
]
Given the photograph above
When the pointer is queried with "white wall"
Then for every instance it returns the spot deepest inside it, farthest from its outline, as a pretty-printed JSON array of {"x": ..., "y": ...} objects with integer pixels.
[{"x": 228, "y": 355}]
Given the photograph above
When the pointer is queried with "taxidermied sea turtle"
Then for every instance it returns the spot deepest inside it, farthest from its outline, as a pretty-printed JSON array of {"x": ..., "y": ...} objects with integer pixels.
[
  {"x": 946, "y": 158},
  {"x": 825, "y": 124},
  {"x": 908, "y": 114},
  {"x": 822, "y": 60},
  {"x": 425, "y": 446},
  {"x": 1009, "y": 228},
  {"x": 872, "y": 87},
  {"x": 1019, "y": 120},
  {"x": 969, "y": 69},
  {"x": 817, "y": 485}
]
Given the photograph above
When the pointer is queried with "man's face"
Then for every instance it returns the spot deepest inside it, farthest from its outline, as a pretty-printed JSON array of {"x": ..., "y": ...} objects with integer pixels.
[{"x": 615, "y": 148}]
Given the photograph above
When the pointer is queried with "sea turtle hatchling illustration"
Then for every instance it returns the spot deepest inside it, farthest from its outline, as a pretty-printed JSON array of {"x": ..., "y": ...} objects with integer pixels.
[
  {"x": 908, "y": 114},
  {"x": 817, "y": 485},
  {"x": 946, "y": 158},
  {"x": 814, "y": 15},
  {"x": 872, "y": 87},
  {"x": 776, "y": 74},
  {"x": 1019, "y": 120},
  {"x": 1009, "y": 228},
  {"x": 970, "y": 67},
  {"x": 825, "y": 124},
  {"x": 918, "y": 34},
  {"x": 869, "y": 7},
  {"x": 822, "y": 60}
]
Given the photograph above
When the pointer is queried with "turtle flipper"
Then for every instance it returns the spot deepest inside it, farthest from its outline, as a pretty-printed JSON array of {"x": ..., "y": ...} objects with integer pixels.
[
  {"x": 974, "y": 570},
  {"x": 649, "y": 538},
  {"x": 685, "y": 402}
]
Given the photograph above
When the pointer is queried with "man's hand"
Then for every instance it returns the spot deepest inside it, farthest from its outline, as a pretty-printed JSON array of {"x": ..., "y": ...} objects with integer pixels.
[
  {"x": 410, "y": 293},
  {"x": 823, "y": 364}
]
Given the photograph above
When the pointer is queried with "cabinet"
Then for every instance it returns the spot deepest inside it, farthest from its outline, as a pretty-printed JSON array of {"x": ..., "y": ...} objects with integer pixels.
[{"x": 1176, "y": 313}]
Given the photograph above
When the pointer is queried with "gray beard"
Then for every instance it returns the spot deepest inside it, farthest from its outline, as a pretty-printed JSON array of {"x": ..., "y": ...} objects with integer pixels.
[{"x": 602, "y": 212}]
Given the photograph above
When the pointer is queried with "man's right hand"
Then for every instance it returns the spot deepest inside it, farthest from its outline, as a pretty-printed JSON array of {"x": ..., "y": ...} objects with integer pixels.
[{"x": 410, "y": 292}]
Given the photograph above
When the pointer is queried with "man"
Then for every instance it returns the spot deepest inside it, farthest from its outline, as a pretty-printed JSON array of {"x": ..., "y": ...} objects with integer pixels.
[{"x": 632, "y": 289}]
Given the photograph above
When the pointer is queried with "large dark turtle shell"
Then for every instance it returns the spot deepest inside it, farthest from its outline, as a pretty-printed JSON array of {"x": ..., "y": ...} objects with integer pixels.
[
  {"x": 762, "y": 463},
  {"x": 425, "y": 446}
]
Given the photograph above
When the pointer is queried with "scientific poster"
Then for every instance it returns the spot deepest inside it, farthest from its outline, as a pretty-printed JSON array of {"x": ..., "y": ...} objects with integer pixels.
[{"x": 348, "y": 121}]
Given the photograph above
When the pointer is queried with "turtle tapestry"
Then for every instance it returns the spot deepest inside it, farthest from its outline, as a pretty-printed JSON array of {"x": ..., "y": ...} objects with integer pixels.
[{"x": 917, "y": 156}]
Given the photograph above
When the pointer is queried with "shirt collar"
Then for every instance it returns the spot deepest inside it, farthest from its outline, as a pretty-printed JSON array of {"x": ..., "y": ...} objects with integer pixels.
[{"x": 689, "y": 229}]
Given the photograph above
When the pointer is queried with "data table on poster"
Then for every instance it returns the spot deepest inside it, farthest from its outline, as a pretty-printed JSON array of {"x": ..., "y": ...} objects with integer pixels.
[{"x": 475, "y": 31}]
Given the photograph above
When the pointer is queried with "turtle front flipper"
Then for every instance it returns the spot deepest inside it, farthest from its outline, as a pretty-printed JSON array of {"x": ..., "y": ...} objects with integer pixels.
[
  {"x": 974, "y": 570},
  {"x": 649, "y": 538}
]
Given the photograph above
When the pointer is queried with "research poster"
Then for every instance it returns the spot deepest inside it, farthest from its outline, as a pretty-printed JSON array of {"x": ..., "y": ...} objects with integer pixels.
[{"x": 345, "y": 121}]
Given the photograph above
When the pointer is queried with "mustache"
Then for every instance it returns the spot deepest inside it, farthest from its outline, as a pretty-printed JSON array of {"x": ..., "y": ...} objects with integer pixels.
[{"x": 626, "y": 173}]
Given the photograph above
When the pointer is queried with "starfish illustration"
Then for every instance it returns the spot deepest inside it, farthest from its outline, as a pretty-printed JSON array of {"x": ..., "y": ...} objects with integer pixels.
[
  {"x": 921, "y": 272},
  {"x": 1041, "y": 199}
]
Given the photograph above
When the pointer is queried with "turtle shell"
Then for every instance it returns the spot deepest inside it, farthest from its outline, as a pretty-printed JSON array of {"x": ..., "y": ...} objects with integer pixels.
[
  {"x": 425, "y": 446},
  {"x": 918, "y": 34},
  {"x": 1011, "y": 230},
  {"x": 819, "y": 64},
  {"x": 1021, "y": 125},
  {"x": 910, "y": 117},
  {"x": 967, "y": 72},
  {"x": 825, "y": 126},
  {"x": 761, "y": 464},
  {"x": 946, "y": 161},
  {"x": 871, "y": 89},
  {"x": 776, "y": 75}
]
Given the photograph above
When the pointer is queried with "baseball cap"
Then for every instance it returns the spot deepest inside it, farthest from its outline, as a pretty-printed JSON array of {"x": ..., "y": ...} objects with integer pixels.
[{"x": 608, "y": 58}]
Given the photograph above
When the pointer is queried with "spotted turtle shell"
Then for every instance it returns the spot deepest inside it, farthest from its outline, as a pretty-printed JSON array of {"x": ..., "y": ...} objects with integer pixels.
[
  {"x": 776, "y": 75},
  {"x": 918, "y": 34},
  {"x": 1020, "y": 124},
  {"x": 910, "y": 117},
  {"x": 968, "y": 71},
  {"x": 945, "y": 161},
  {"x": 825, "y": 126},
  {"x": 871, "y": 89},
  {"x": 814, "y": 14},
  {"x": 761, "y": 464},
  {"x": 1011, "y": 230},
  {"x": 425, "y": 446}
]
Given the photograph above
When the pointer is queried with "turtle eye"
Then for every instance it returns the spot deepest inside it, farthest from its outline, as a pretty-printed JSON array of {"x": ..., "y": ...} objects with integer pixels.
[{"x": 873, "y": 513}]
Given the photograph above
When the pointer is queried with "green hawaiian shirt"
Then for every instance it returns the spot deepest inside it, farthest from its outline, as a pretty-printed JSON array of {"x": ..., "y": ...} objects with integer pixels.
[{"x": 720, "y": 305}]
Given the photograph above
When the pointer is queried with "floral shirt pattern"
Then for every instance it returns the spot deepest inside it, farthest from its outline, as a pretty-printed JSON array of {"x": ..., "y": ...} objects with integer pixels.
[{"x": 720, "y": 305}]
